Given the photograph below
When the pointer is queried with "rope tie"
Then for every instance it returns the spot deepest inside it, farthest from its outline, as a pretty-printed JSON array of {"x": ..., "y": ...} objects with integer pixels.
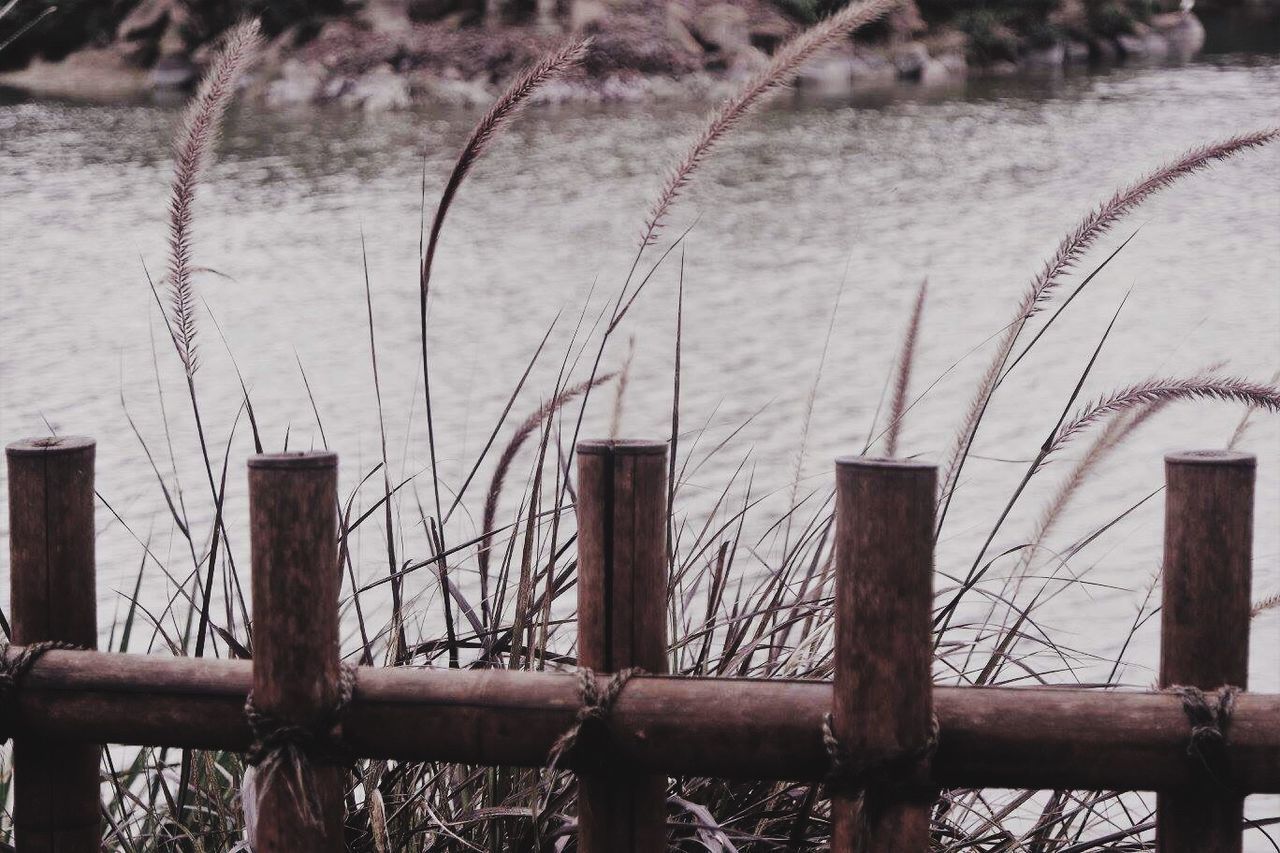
[
  {"x": 1210, "y": 716},
  {"x": 593, "y": 714},
  {"x": 897, "y": 773},
  {"x": 286, "y": 750},
  {"x": 14, "y": 668},
  {"x": 597, "y": 704}
]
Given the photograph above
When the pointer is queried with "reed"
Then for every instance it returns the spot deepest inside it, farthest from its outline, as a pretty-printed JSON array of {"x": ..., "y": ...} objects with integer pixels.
[
  {"x": 1233, "y": 390},
  {"x": 902, "y": 372},
  {"x": 745, "y": 600},
  {"x": 200, "y": 128},
  {"x": 780, "y": 71},
  {"x": 1070, "y": 251}
]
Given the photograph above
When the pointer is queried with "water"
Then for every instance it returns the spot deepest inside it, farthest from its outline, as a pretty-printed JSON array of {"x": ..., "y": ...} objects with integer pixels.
[{"x": 970, "y": 189}]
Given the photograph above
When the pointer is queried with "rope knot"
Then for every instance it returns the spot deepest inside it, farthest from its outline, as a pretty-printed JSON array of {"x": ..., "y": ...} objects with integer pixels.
[
  {"x": 902, "y": 774},
  {"x": 286, "y": 750},
  {"x": 14, "y": 668},
  {"x": 1210, "y": 717},
  {"x": 593, "y": 713}
]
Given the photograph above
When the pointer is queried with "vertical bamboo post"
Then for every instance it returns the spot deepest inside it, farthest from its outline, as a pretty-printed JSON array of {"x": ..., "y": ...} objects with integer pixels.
[
  {"x": 883, "y": 700},
  {"x": 53, "y": 597},
  {"x": 1204, "y": 622},
  {"x": 622, "y": 598},
  {"x": 294, "y": 536}
]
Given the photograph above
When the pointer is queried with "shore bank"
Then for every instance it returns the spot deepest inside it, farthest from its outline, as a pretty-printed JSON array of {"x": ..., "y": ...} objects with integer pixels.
[{"x": 391, "y": 54}]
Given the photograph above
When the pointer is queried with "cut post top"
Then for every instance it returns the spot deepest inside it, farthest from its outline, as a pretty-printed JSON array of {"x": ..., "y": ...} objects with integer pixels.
[
  {"x": 302, "y": 460},
  {"x": 1218, "y": 458},
  {"x": 59, "y": 444},
  {"x": 623, "y": 446},
  {"x": 883, "y": 463}
]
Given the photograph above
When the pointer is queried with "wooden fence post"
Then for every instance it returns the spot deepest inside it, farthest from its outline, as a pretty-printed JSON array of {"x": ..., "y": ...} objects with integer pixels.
[
  {"x": 57, "y": 800},
  {"x": 883, "y": 699},
  {"x": 622, "y": 605},
  {"x": 294, "y": 540},
  {"x": 1204, "y": 623}
]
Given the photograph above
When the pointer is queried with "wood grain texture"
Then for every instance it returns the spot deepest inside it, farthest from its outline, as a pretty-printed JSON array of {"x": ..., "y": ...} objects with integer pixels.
[
  {"x": 622, "y": 598},
  {"x": 883, "y": 641},
  {"x": 53, "y": 597},
  {"x": 1204, "y": 623},
  {"x": 738, "y": 728},
  {"x": 293, "y": 530}
]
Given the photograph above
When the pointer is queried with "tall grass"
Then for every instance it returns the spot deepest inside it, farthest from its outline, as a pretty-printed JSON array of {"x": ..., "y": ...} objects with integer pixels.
[{"x": 740, "y": 603}]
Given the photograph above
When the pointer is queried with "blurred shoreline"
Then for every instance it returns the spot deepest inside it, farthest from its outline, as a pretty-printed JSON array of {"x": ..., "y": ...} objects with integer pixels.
[{"x": 393, "y": 54}]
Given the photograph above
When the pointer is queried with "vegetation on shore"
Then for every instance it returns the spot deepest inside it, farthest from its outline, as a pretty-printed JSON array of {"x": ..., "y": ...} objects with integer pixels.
[
  {"x": 384, "y": 52},
  {"x": 750, "y": 590}
]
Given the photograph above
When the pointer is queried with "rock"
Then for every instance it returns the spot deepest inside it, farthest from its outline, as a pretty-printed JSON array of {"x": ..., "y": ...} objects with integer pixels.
[
  {"x": 1071, "y": 15},
  {"x": 679, "y": 22},
  {"x": 335, "y": 87},
  {"x": 955, "y": 63},
  {"x": 1048, "y": 58},
  {"x": 935, "y": 73},
  {"x": 95, "y": 73},
  {"x": 173, "y": 71},
  {"x": 386, "y": 16},
  {"x": 587, "y": 16},
  {"x": 1077, "y": 52},
  {"x": 1142, "y": 44},
  {"x": 146, "y": 22},
  {"x": 723, "y": 27},
  {"x": 451, "y": 12},
  {"x": 770, "y": 28},
  {"x": 1104, "y": 51},
  {"x": 378, "y": 91},
  {"x": 910, "y": 59},
  {"x": 872, "y": 69},
  {"x": 1183, "y": 33},
  {"x": 561, "y": 91},
  {"x": 299, "y": 83},
  {"x": 747, "y": 62},
  {"x": 465, "y": 93},
  {"x": 829, "y": 75},
  {"x": 617, "y": 88},
  {"x": 905, "y": 21},
  {"x": 140, "y": 53}
]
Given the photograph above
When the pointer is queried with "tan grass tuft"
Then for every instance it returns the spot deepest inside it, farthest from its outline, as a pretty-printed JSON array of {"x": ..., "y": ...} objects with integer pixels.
[
  {"x": 200, "y": 127},
  {"x": 1256, "y": 394},
  {"x": 1072, "y": 248},
  {"x": 499, "y": 115},
  {"x": 902, "y": 379},
  {"x": 781, "y": 70}
]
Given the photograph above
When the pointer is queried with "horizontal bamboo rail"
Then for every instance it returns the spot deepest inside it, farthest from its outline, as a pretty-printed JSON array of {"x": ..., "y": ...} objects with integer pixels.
[{"x": 1014, "y": 737}]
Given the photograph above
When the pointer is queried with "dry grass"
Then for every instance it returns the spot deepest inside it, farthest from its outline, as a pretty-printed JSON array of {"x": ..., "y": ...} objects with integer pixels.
[
  {"x": 1070, "y": 251},
  {"x": 740, "y": 603},
  {"x": 200, "y": 128}
]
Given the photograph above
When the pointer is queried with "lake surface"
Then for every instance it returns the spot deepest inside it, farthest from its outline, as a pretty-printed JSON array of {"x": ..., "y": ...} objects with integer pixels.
[{"x": 810, "y": 203}]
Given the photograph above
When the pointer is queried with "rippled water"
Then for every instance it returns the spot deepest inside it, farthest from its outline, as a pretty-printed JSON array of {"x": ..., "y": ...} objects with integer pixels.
[{"x": 971, "y": 190}]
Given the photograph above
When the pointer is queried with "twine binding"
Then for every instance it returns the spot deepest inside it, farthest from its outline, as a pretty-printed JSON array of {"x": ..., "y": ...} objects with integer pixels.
[
  {"x": 593, "y": 714},
  {"x": 594, "y": 711},
  {"x": 286, "y": 750},
  {"x": 1210, "y": 717},
  {"x": 14, "y": 668},
  {"x": 897, "y": 774}
]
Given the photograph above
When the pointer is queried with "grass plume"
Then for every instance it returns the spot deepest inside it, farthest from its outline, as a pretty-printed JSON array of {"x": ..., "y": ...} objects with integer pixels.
[
  {"x": 780, "y": 71},
  {"x": 482, "y": 135},
  {"x": 902, "y": 373},
  {"x": 1227, "y": 389},
  {"x": 1068, "y": 254},
  {"x": 201, "y": 125}
]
